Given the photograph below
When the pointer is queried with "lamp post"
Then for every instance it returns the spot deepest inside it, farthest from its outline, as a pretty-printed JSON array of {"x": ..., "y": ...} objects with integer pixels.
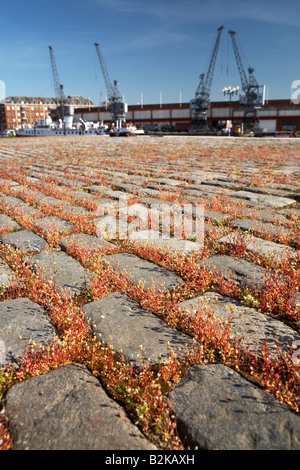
[{"x": 228, "y": 90}]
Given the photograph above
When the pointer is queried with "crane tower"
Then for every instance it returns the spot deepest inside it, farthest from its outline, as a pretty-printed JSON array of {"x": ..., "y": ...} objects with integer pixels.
[
  {"x": 201, "y": 103},
  {"x": 116, "y": 106},
  {"x": 254, "y": 96}
]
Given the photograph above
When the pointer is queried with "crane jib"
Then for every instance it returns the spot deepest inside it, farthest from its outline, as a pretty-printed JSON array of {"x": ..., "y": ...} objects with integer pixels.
[
  {"x": 58, "y": 87},
  {"x": 117, "y": 106},
  {"x": 201, "y": 103}
]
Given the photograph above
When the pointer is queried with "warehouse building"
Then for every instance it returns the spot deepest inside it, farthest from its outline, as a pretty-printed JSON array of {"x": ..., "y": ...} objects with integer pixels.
[{"x": 274, "y": 116}]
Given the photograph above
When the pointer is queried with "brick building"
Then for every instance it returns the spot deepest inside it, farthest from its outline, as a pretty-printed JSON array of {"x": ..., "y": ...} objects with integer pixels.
[{"x": 21, "y": 111}]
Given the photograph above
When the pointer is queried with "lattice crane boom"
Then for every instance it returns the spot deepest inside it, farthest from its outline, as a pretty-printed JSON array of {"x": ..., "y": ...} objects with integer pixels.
[
  {"x": 200, "y": 104},
  {"x": 108, "y": 84},
  {"x": 254, "y": 93},
  {"x": 211, "y": 68},
  {"x": 246, "y": 82},
  {"x": 58, "y": 88},
  {"x": 116, "y": 106}
]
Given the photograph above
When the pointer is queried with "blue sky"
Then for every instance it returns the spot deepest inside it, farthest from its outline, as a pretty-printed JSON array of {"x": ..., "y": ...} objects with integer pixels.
[{"x": 156, "y": 50}]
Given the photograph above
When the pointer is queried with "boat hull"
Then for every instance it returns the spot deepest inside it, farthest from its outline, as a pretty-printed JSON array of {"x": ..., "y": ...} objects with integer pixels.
[{"x": 57, "y": 133}]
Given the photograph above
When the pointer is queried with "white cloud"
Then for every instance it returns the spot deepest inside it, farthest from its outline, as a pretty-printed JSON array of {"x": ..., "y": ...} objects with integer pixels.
[
  {"x": 177, "y": 11},
  {"x": 153, "y": 38},
  {"x": 27, "y": 55}
]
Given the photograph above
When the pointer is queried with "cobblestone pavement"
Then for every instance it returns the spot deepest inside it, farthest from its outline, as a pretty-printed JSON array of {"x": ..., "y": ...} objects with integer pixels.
[{"x": 142, "y": 252}]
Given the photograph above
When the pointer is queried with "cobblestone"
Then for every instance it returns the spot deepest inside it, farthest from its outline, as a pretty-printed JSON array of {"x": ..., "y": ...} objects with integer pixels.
[
  {"x": 84, "y": 240},
  {"x": 237, "y": 270},
  {"x": 53, "y": 224},
  {"x": 153, "y": 236},
  {"x": 247, "y": 323},
  {"x": 139, "y": 270},
  {"x": 22, "y": 321},
  {"x": 133, "y": 331},
  {"x": 6, "y": 274},
  {"x": 65, "y": 405},
  {"x": 262, "y": 227},
  {"x": 7, "y": 223},
  {"x": 25, "y": 240},
  {"x": 67, "y": 409},
  {"x": 217, "y": 409},
  {"x": 62, "y": 270},
  {"x": 261, "y": 200},
  {"x": 260, "y": 246},
  {"x": 16, "y": 203}
]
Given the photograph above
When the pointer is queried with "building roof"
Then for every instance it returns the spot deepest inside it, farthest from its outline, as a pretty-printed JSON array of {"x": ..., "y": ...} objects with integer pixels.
[
  {"x": 75, "y": 100},
  {"x": 78, "y": 99}
]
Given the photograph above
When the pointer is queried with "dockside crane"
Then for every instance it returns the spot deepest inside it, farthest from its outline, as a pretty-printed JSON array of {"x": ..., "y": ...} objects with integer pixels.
[
  {"x": 63, "y": 111},
  {"x": 116, "y": 105},
  {"x": 201, "y": 103},
  {"x": 254, "y": 96},
  {"x": 58, "y": 87}
]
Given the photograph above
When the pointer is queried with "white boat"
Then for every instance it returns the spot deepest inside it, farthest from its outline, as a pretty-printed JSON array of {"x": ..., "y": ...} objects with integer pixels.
[
  {"x": 68, "y": 126},
  {"x": 123, "y": 129},
  {"x": 46, "y": 127}
]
